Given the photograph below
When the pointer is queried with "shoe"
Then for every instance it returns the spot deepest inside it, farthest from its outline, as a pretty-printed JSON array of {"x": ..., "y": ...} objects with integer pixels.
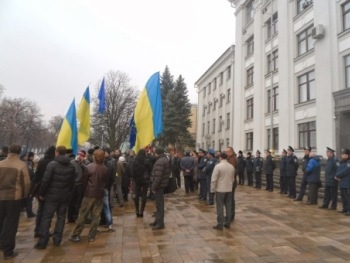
[
  {"x": 74, "y": 238},
  {"x": 322, "y": 207},
  {"x": 297, "y": 199},
  {"x": 38, "y": 246},
  {"x": 140, "y": 215},
  {"x": 227, "y": 226},
  {"x": 31, "y": 215},
  {"x": 13, "y": 255},
  {"x": 91, "y": 239},
  {"x": 153, "y": 224},
  {"x": 342, "y": 211},
  {"x": 218, "y": 227},
  {"x": 210, "y": 203},
  {"x": 36, "y": 235},
  {"x": 110, "y": 228},
  {"x": 56, "y": 244},
  {"x": 156, "y": 227},
  {"x": 333, "y": 208}
]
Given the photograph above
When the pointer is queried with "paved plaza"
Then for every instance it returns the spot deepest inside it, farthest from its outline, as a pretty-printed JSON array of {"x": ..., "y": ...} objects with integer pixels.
[{"x": 269, "y": 227}]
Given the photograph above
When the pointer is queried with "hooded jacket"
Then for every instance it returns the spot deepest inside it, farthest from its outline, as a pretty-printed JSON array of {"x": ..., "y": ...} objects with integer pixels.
[{"x": 161, "y": 173}]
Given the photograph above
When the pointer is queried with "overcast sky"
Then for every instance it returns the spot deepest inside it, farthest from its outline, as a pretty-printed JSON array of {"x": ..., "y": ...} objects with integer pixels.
[{"x": 50, "y": 51}]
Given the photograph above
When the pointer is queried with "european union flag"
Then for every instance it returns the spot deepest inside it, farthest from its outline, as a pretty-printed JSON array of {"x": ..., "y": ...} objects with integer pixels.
[{"x": 102, "y": 98}]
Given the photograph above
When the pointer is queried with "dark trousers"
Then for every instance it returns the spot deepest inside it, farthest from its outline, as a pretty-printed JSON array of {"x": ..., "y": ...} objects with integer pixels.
[
  {"x": 250, "y": 179},
  {"x": 313, "y": 193},
  {"x": 189, "y": 185},
  {"x": 29, "y": 206},
  {"x": 203, "y": 188},
  {"x": 291, "y": 186},
  {"x": 223, "y": 200},
  {"x": 303, "y": 186},
  {"x": 125, "y": 191},
  {"x": 178, "y": 179},
  {"x": 210, "y": 197},
  {"x": 283, "y": 184},
  {"x": 345, "y": 198},
  {"x": 330, "y": 195},
  {"x": 60, "y": 208},
  {"x": 141, "y": 190},
  {"x": 9, "y": 218},
  {"x": 258, "y": 180},
  {"x": 159, "y": 198},
  {"x": 269, "y": 182},
  {"x": 240, "y": 177},
  {"x": 234, "y": 186},
  {"x": 39, "y": 216},
  {"x": 75, "y": 203}
]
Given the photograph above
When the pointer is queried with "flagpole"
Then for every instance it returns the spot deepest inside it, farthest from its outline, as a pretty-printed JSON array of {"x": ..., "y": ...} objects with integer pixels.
[{"x": 103, "y": 129}]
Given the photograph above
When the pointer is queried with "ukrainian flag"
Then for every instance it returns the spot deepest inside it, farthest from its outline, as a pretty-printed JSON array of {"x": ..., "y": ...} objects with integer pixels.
[
  {"x": 69, "y": 132},
  {"x": 84, "y": 118},
  {"x": 148, "y": 113}
]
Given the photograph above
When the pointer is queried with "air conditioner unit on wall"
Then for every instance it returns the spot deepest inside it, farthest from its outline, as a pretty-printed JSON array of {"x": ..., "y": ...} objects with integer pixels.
[{"x": 317, "y": 32}]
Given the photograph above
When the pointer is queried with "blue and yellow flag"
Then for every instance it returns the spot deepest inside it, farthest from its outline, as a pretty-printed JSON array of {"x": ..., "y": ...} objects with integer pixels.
[
  {"x": 68, "y": 135},
  {"x": 84, "y": 118},
  {"x": 148, "y": 113}
]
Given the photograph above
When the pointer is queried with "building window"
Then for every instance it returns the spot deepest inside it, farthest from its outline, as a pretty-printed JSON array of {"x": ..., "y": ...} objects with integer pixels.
[
  {"x": 213, "y": 144},
  {"x": 214, "y": 123},
  {"x": 208, "y": 129},
  {"x": 250, "y": 76},
  {"x": 347, "y": 70},
  {"x": 302, "y": 5},
  {"x": 305, "y": 41},
  {"x": 306, "y": 83},
  {"x": 228, "y": 76},
  {"x": 249, "y": 11},
  {"x": 227, "y": 142},
  {"x": 220, "y": 123},
  {"x": 203, "y": 128},
  {"x": 204, "y": 109},
  {"x": 228, "y": 96},
  {"x": 307, "y": 134},
  {"x": 222, "y": 96},
  {"x": 249, "y": 141},
  {"x": 250, "y": 46},
  {"x": 250, "y": 108},
  {"x": 346, "y": 15},
  {"x": 209, "y": 106},
  {"x": 274, "y": 99},
  {"x": 221, "y": 78},
  {"x": 228, "y": 117},
  {"x": 214, "y": 83},
  {"x": 272, "y": 27},
  {"x": 209, "y": 88},
  {"x": 272, "y": 61},
  {"x": 215, "y": 102},
  {"x": 274, "y": 138},
  {"x": 204, "y": 92}
]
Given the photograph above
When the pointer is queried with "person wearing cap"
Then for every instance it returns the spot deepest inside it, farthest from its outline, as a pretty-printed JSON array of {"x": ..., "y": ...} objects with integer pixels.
[
  {"x": 258, "y": 166},
  {"x": 202, "y": 162},
  {"x": 56, "y": 189},
  {"x": 269, "y": 167},
  {"x": 15, "y": 183},
  {"x": 313, "y": 171},
  {"x": 221, "y": 185},
  {"x": 78, "y": 192},
  {"x": 331, "y": 184},
  {"x": 292, "y": 169},
  {"x": 304, "y": 182},
  {"x": 4, "y": 152},
  {"x": 208, "y": 172},
  {"x": 283, "y": 173},
  {"x": 240, "y": 167},
  {"x": 343, "y": 176},
  {"x": 187, "y": 165},
  {"x": 160, "y": 176},
  {"x": 249, "y": 164}
]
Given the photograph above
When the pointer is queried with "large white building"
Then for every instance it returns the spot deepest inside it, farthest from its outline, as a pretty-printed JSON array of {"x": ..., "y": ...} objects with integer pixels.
[{"x": 298, "y": 51}]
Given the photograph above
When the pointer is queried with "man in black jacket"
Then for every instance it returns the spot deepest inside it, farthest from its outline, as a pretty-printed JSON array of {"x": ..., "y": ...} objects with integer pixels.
[
  {"x": 270, "y": 166},
  {"x": 56, "y": 189},
  {"x": 304, "y": 183},
  {"x": 160, "y": 175}
]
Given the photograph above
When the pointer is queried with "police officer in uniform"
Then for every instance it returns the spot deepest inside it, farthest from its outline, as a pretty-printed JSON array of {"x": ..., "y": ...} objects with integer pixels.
[
  {"x": 240, "y": 167},
  {"x": 208, "y": 172},
  {"x": 270, "y": 166},
  {"x": 283, "y": 173},
  {"x": 331, "y": 184},
  {"x": 343, "y": 175},
  {"x": 258, "y": 165},
  {"x": 303, "y": 184},
  {"x": 249, "y": 164},
  {"x": 292, "y": 168},
  {"x": 202, "y": 162}
]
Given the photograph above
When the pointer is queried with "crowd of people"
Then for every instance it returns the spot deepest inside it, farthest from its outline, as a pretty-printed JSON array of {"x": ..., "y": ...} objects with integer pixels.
[{"x": 84, "y": 188}]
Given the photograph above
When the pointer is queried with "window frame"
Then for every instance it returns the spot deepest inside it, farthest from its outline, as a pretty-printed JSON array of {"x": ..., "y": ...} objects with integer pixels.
[
  {"x": 306, "y": 134},
  {"x": 250, "y": 76},
  {"x": 274, "y": 98},
  {"x": 249, "y": 11},
  {"x": 272, "y": 61},
  {"x": 347, "y": 71},
  {"x": 249, "y": 141},
  {"x": 249, "y": 108},
  {"x": 228, "y": 123},
  {"x": 300, "y": 8},
  {"x": 308, "y": 86},
  {"x": 275, "y": 134},
  {"x": 346, "y": 13},
  {"x": 271, "y": 28},
  {"x": 307, "y": 39},
  {"x": 250, "y": 45}
]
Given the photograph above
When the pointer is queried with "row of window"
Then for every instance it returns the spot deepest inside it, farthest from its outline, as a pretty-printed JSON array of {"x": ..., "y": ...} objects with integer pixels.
[
  {"x": 221, "y": 125},
  {"x": 214, "y": 82},
  {"x": 221, "y": 146},
  {"x": 216, "y": 100},
  {"x": 306, "y": 137}
]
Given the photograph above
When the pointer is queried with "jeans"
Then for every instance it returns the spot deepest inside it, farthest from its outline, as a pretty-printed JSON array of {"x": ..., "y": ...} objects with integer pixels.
[
  {"x": 50, "y": 209},
  {"x": 303, "y": 186},
  {"x": 159, "y": 198},
  {"x": 94, "y": 205},
  {"x": 224, "y": 199},
  {"x": 75, "y": 202},
  {"x": 330, "y": 195},
  {"x": 9, "y": 218},
  {"x": 117, "y": 189},
  {"x": 106, "y": 209},
  {"x": 39, "y": 215}
]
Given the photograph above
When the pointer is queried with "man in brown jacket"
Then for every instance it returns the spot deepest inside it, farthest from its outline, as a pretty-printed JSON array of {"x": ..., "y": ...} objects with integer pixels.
[{"x": 14, "y": 187}]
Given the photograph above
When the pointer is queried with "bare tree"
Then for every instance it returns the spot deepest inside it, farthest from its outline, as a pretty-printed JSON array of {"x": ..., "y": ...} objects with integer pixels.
[{"x": 112, "y": 127}]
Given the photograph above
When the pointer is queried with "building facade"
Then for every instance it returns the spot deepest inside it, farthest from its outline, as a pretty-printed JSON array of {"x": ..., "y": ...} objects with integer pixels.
[
  {"x": 291, "y": 76},
  {"x": 215, "y": 108}
]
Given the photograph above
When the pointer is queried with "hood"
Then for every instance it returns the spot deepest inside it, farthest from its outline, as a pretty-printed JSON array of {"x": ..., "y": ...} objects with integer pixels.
[{"x": 62, "y": 159}]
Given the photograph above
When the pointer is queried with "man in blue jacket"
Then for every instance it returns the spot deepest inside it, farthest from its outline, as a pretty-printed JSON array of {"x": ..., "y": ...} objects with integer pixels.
[
  {"x": 343, "y": 176},
  {"x": 331, "y": 184}
]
